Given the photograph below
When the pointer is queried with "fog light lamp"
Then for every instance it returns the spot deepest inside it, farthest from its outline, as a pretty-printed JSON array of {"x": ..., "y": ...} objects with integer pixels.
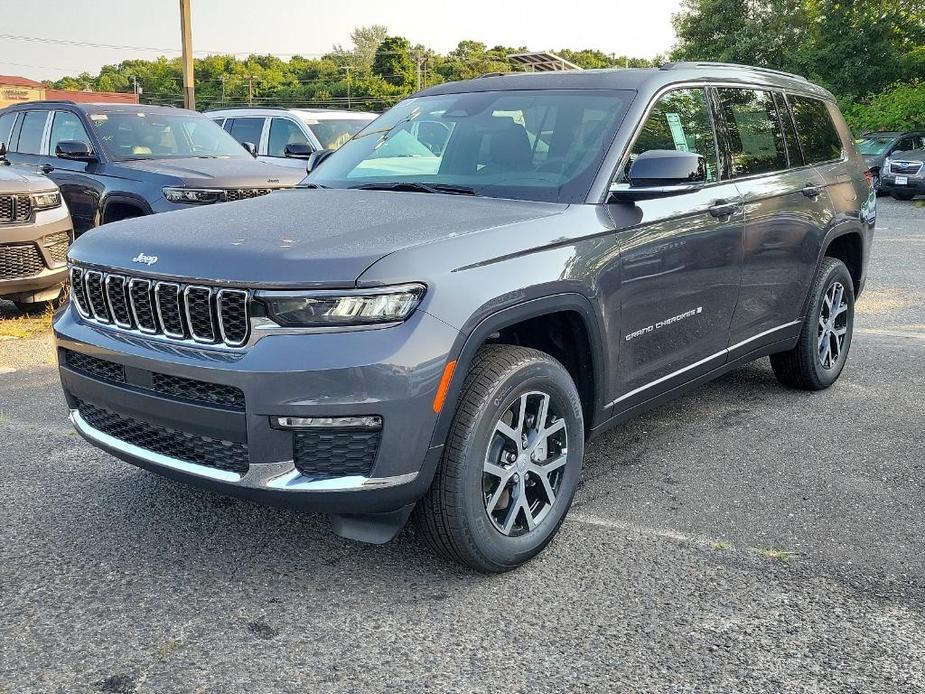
[{"x": 369, "y": 422}]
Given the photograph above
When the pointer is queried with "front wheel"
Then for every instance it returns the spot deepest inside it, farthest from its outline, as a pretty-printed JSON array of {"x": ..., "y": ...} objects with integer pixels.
[
  {"x": 511, "y": 462},
  {"x": 902, "y": 196},
  {"x": 822, "y": 349}
]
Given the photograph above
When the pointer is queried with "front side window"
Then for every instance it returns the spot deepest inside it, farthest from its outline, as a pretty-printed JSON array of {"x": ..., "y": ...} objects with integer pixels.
[
  {"x": 525, "y": 144},
  {"x": 284, "y": 132},
  {"x": 157, "y": 135},
  {"x": 817, "y": 133},
  {"x": 66, "y": 126},
  {"x": 680, "y": 120},
  {"x": 752, "y": 129},
  {"x": 246, "y": 130},
  {"x": 30, "y": 133}
]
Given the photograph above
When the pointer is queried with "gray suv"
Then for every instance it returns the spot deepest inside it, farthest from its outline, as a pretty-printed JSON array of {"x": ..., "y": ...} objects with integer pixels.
[{"x": 437, "y": 331}]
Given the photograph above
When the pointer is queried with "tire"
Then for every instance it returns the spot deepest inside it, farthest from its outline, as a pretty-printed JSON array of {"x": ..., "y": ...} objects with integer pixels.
[
  {"x": 809, "y": 366},
  {"x": 454, "y": 517},
  {"x": 902, "y": 196}
]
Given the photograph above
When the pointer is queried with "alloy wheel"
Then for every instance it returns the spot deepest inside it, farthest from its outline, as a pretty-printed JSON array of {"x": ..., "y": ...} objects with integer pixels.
[
  {"x": 525, "y": 463},
  {"x": 833, "y": 326}
]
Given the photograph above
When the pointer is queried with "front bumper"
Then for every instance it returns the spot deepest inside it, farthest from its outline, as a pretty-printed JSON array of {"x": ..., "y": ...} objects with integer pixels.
[
  {"x": 914, "y": 184},
  {"x": 41, "y": 281},
  {"x": 393, "y": 373}
]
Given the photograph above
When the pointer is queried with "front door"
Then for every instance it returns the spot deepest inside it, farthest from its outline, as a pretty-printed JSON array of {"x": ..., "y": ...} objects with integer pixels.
[
  {"x": 80, "y": 189},
  {"x": 680, "y": 264}
]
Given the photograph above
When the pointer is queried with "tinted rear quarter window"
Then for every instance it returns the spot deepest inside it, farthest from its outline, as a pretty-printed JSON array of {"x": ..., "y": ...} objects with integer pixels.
[
  {"x": 818, "y": 137},
  {"x": 753, "y": 131},
  {"x": 246, "y": 130},
  {"x": 6, "y": 127}
]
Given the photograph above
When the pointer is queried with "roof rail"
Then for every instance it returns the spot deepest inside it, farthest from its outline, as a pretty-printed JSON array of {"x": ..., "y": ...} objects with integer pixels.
[
  {"x": 767, "y": 70},
  {"x": 46, "y": 101},
  {"x": 493, "y": 74}
]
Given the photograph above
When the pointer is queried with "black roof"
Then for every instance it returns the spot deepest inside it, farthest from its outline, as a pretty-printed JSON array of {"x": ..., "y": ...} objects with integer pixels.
[
  {"x": 100, "y": 107},
  {"x": 633, "y": 78}
]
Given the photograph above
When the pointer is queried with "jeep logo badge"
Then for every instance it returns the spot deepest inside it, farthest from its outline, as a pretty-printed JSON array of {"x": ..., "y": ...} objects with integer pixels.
[{"x": 146, "y": 259}]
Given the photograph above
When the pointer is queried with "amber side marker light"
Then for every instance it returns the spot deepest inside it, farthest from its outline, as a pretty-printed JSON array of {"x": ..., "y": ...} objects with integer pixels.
[{"x": 444, "y": 386}]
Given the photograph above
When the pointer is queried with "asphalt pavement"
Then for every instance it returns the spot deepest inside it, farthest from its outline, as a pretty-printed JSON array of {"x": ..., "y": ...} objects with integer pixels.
[{"x": 745, "y": 538}]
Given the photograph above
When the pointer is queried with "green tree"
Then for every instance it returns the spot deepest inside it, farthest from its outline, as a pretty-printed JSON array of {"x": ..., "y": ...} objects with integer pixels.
[{"x": 393, "y": 62}]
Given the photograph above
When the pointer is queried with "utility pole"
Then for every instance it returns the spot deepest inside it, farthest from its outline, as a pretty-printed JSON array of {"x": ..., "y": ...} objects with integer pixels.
[
  {"x": 134, "y": 86},
  {"x": 222, "y": 80},
  {"x": 186, "y": 40},
  {"x": 250, "y": 90},
  {"x": 347, "y": 68}
]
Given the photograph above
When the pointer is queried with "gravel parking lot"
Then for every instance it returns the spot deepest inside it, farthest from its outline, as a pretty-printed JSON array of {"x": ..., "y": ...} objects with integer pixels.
[{"x": 744, "y": 538}]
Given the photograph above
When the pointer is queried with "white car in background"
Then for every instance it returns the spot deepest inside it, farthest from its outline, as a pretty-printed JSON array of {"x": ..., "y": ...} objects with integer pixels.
[{"x": 287, "y": 136}]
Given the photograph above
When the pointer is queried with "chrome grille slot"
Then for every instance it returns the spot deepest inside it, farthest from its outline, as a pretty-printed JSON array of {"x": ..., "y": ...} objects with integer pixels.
[
  {"x": 176, "y": 311},
  {"x": 233, "y": 321},
  {"x": 96, "y": 295},
  {"x": 118, "y": 301},
  {"x": 199, "y": 315},
  {"x": 169, "y": 311},
  {"x": 139, "y": 291},
  {"x": 79, "y": 292},
  {"x": 905, "y": 167}
]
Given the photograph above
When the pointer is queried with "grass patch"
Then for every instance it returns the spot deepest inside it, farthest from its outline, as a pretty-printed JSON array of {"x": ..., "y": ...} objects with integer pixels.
[
  {"x": 778, "y": 554},
  {"x": 25, "y": 326},
  {"x": 720, "y": 546}
]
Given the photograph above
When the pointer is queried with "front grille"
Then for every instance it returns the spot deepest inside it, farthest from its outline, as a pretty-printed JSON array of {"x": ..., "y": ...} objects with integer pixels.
[
  {"x": 15, "y": 209},
  {"x": 191, "y": 448},
  {"x": 20, "y": 261},
  {"x": 905, "y": 167},
  {"x": 204, "y": 314},
  {"x": 198, "y": 391},
  {"x": 92, "y": 366},
  {"x": 321, "y": 453},
  {"x": 245, "y": 193},
  {"x": 188, "y": 389},
  {"x": 56, "y": 246}
]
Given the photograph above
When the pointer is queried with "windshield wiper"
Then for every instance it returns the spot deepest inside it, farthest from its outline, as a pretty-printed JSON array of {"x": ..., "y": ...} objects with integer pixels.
[
  {"x": 310, "y": 185},
  {"x": 418, "y": 187}
]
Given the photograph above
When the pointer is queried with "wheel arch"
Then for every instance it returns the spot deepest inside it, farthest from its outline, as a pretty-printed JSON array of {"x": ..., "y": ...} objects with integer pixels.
[
  {"x": 573, "y": 313},
  {"x": 115, "y": 201}
]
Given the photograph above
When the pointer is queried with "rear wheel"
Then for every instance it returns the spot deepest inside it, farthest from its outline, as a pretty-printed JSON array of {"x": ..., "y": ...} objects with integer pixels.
[
  {"x": 511, "y": 463},
  {"x": 822, "y": 349},
  {"x": 902, "y": 196}
]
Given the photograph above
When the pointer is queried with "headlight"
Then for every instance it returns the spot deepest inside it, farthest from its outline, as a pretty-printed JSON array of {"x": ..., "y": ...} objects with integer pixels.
[
  {"x": 196, "y": 196},
  {"x": 46, "y": 201},
  {"x": 342, "y": 308},
  {"x": 886, "y": 167}
]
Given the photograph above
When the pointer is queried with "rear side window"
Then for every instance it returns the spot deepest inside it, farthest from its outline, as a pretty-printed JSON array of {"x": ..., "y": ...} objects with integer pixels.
[
  {"x": 790, "y": 131},
  {"x": 6, "y": 127},
  {"x": 680, "y": 120},
  {"x": 752, "y": 129},
  {"x": 246, "y": 130},
  {"x": 817, "y": 133},
  {"x": 30, "y": 133}
]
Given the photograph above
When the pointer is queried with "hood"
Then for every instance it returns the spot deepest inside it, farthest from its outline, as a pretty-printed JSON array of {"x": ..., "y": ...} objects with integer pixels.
[
  {"x": 239, "y": 172},
  {"x": 293, "y": 238},
  {"x": 909, "y": 155},
  {"x": 13, "y": 180}
]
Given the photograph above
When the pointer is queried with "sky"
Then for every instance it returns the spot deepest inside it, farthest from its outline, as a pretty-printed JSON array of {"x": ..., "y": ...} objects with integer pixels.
[{"x": 625, "y": 27}]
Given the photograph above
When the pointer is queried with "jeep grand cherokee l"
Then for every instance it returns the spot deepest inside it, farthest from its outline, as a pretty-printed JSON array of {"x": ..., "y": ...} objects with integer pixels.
[
  {"x": 115, "y": 161},
  {"x": 440, "y": 333},
  {"x": 35, "y": 232}
]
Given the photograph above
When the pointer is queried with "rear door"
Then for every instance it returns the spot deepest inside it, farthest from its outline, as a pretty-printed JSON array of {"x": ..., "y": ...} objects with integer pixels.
[
  {"x": 27, "y": 140},
  {"x": 787, "y": 209},
  {"x": 680, "y": 264},
  {"x": 247, "y": 129}
]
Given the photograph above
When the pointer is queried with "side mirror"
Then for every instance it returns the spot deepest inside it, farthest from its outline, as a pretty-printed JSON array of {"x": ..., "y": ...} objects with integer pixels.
[
  {"x": 75, "y": 150},
  {"x": 301, "y": 150},
  {"x": 659, "y": 173},
  {"x": 315, "y": 159},
  {"x": 250, "y": 147}
]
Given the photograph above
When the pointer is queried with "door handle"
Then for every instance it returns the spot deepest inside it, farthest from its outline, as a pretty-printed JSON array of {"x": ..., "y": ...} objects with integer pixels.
[
  {"x": 724, "y": 208},
  {"x": 810, "y": 191},
  {"x": 47, "y": 168}
]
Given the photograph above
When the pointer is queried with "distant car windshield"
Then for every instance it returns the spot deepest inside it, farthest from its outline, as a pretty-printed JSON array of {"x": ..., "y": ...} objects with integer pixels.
[
  {"x": 333, "y": 133},
  {"x": 527, "y": 144},
  {"x": 156, "y": 135},
  {"x": 874, "y": 146}
]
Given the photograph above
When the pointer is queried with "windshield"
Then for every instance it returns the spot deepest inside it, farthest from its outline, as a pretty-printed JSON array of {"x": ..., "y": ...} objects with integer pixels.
[
  {"x": 155, "y": 135},
  {"x": 530, "y": 144},
  {"x": 334, "y": 133},
  {"x": 873, "y": 146}
]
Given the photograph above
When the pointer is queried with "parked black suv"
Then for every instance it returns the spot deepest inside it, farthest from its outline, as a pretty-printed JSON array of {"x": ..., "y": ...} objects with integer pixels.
[
  {"x": 878, "y": 147},
  {"x": 115, "y": 161},
  {"x": 439, "y": 331}
]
